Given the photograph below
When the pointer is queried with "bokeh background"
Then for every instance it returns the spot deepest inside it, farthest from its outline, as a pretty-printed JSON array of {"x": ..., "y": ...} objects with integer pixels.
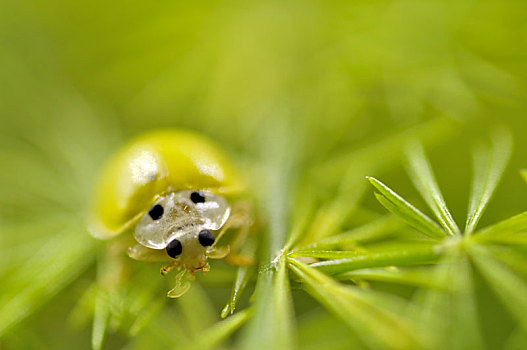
[{"x": 288, "y": 88}]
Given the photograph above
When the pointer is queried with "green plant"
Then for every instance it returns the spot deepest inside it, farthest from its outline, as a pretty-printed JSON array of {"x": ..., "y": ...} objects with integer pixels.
[
  {"x": 310, "y": 98},
  {"x": 338, "y": 267},
  {"x": 445, "y": 313}
]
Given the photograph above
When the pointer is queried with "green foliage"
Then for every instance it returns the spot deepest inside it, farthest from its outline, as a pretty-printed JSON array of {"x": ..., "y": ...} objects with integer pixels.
[
  {"x": 398, "y": 206},
  {"x": 488, "y": 169},
  {"x": 316, "y": 101}
]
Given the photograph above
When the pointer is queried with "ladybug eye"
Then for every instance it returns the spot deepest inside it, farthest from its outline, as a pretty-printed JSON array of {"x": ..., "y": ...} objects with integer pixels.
[
  {"x": 156, "y": 212},
  {"x": 206, "y": 238},
  {"x": 174, "y": 248},
  {"x": 197, "y": 197}
]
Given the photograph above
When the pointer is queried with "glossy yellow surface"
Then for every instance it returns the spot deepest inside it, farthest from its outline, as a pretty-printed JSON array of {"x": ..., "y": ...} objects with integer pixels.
[{"x": 152, "y": 165}]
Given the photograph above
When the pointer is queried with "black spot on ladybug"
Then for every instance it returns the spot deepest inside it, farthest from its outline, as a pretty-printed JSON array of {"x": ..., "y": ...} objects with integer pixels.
[
  {"x": 156, "y": 212},
  {"x": 197, "y": 197},
  {"x": 206, "y": 238},
  {"x": 174, "y": 248}
]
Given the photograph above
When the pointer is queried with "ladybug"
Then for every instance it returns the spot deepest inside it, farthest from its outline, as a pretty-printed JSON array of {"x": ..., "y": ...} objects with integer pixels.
[{"x": 171, "y": 190}]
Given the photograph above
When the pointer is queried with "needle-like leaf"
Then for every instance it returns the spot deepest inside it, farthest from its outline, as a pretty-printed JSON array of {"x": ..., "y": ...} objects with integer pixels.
[
  {"x": 424, "y": 180},
  {"x": 376, "y": 326},
  {"x": 402, "y": 255},
  {"x": 326, "y": 254},
  {"x": 400, "y": 207},
  {"x": 419, "y": 277},
  {"x": 508, "y": 286},
  {"x": 282, "y": 303},
  {"x": 488, "y": 170},
  {"x": 272, "y": 328},
  {"x": 451, "y": 310},
  {"x": 273, "y": 320},
  {"x": 240, "y": 282},
  {"x": 512, "y": 226},
  {"x": 301, "y": 218},
  {"x": 101, "y": 317}
]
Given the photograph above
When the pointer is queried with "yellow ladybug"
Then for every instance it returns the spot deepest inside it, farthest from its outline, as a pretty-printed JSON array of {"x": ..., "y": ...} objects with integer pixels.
[{"x": 169, "y": 188}]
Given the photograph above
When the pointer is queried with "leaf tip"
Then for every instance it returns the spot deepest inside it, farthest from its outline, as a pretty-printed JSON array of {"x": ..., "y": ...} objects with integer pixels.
[
  {"x": 372, "y": 180},
  {"x": 226, "y": 311}
]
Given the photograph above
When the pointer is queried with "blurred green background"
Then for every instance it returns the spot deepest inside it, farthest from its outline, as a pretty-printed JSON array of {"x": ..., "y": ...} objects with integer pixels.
[{"x": 291, "y": 89}]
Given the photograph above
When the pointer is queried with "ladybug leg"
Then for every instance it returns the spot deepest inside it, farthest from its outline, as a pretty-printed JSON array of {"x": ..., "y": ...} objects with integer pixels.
[
  {"x": 239, "y": 260},
  {"x": 167, "y": 268},
  {"x": 240, "y": 219},
  {"x": 218, "y": 252},
  {"x": 142, "y": 253},
  {"x": 241, "y": 245},
  {"x": 183, "y": 279},
  {"x": 205, "y": 268}
]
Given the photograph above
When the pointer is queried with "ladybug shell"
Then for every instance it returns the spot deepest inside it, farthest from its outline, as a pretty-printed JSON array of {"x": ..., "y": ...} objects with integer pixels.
[{"x": 151, "y": 166}]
